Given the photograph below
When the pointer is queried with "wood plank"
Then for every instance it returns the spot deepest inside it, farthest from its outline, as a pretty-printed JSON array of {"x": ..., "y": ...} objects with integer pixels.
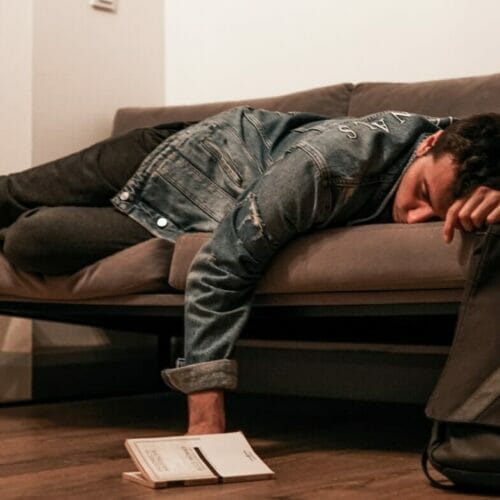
[{"x": 318, "y": 448}]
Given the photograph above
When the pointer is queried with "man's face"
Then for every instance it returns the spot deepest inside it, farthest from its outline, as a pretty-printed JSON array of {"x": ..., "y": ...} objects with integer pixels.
[{"x": 425, "y": 191}]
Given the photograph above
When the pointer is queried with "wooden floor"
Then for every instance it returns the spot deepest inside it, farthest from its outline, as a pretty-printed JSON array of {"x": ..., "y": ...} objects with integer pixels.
[{"x": 318, "y": 449}]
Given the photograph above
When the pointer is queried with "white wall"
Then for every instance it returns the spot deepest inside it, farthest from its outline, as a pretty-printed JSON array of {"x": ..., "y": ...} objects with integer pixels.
[
  {"x": 65, "y": 68},
  {"x": 16, "y": 47},
  {"x": 86, "y": 64},
  {"x": 226, "y": 49}
]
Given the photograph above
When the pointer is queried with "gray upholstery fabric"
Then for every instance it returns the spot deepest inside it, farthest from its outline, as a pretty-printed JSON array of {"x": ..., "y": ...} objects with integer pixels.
[
  {"x": 456, "y": 97},
  {"x": 373, "y": 257},
  {"x": 330, "y": 101},
  {"x": 142, "y": 268}
]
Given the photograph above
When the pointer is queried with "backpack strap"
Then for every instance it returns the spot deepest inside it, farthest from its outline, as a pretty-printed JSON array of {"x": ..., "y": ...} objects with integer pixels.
[{"x": 441, "y": 484}]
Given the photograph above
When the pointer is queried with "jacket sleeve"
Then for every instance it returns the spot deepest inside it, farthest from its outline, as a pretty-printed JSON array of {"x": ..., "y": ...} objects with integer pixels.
[{"x": 291, "y": 198}]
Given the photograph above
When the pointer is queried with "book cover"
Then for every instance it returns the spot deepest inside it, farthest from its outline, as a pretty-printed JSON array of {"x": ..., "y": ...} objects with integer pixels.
[{"x": 189, "y": 460}]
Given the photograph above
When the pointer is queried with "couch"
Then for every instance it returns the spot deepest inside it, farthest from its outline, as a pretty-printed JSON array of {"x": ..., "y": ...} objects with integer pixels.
[{"x": 323, "y": 308}]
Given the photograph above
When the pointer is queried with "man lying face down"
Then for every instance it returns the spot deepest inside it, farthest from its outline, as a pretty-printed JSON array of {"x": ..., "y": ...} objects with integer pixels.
[{"x": 256, "y": 179}]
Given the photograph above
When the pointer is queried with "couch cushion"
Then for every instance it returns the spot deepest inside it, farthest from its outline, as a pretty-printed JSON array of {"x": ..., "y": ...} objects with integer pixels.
[
  {"x": 372, "y": 257},
  {"x": 386, "y": 258},
  {"x": 141, "y": 268},
  {"x": 456, "y": 97},
  {"x": 330, "y": 101}
]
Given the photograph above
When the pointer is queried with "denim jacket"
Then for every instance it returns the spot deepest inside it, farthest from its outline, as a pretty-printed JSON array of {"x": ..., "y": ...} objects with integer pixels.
[{"x": 257, "y": 179}]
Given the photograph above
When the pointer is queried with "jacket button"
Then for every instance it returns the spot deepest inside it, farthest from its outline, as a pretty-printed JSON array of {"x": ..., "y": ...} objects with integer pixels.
[
  {"x": 161, "y": 222},
  {"x": 124, "y": 195}
]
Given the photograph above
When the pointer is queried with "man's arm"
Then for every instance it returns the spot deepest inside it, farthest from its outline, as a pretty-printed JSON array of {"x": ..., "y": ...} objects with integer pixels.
[
  {"x": 480, "y": 208},
  {"x": 291, "y": 198},
  {"x": 286, "y": 201}
]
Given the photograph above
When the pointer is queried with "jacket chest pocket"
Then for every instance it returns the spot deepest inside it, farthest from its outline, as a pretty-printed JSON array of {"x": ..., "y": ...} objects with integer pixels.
[{"x": 224, "y": 160}]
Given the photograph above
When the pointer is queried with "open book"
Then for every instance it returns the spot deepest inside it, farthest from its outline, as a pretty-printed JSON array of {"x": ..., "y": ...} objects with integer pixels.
[{"x": 187, "y": 460}]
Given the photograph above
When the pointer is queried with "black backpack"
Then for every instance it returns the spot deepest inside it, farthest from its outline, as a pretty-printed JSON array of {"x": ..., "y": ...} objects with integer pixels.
[
  {"x": 467, "y": 455},
  {"x": 465, "y": 405}
]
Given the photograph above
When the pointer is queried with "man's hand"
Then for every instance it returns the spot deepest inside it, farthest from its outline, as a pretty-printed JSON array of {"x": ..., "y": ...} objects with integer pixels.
[{"x": 472, "y": 212}]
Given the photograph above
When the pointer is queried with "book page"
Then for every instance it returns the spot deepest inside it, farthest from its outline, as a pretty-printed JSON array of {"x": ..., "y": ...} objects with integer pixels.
[
  {"x": 232, "y": 456},
  {"x": 169, "y": 459},
  {"x": 140, "y": 478},
  {"x": 186, "y": 458}
]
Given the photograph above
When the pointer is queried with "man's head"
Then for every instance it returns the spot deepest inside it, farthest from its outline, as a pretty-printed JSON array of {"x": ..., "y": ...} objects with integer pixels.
[{"x": 449, "y": 165}]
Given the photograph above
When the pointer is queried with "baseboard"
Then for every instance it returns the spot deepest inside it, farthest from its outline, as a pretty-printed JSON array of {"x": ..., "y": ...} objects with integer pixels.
[
  {"x": 354, "y": 371},
  {"x": 403, "y": 374}
]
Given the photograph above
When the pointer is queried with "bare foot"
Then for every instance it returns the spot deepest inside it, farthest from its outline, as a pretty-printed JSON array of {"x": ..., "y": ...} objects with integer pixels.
[{"x": 206, "y": 412}]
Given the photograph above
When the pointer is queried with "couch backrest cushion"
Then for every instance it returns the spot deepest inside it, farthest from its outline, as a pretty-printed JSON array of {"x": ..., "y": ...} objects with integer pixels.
[
  {"x": 456, "y": 97},
  {"x": 330, "y": 101}
]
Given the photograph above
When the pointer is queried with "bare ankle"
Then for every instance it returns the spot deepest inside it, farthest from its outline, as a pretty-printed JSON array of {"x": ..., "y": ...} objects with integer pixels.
[
  {"x": 206, "y": 412},
  {"x": 205, "y": 428}
]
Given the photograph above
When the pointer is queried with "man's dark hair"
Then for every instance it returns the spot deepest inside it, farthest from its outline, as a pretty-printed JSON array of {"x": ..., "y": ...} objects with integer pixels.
[{"x": 474, "y": 144}]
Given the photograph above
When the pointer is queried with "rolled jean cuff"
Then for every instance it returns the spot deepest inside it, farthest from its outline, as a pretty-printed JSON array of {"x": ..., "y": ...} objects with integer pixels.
[{"x": 220, "y": 374}]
